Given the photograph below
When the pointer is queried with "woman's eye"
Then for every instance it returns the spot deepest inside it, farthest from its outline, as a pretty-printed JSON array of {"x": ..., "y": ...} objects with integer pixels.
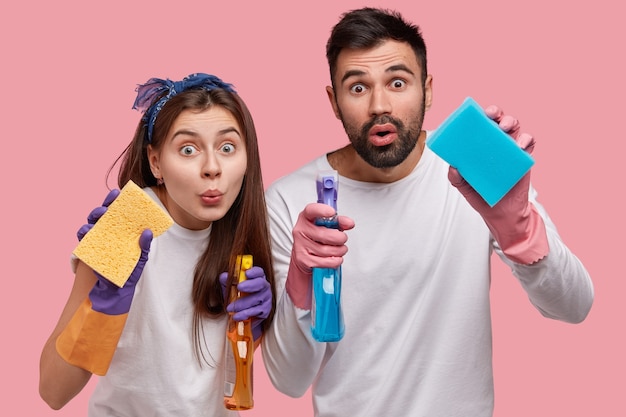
[
  {"x": 188, "y": 150},
  {"x": 228, "y": 148}
]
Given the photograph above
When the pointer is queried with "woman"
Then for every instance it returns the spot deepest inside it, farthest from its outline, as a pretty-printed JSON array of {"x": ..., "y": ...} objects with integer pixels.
[{"x": 195, "y": 153}]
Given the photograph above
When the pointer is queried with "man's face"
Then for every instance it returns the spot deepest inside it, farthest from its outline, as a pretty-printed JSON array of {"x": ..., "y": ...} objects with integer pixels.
[{"x": 380, "y": 99}]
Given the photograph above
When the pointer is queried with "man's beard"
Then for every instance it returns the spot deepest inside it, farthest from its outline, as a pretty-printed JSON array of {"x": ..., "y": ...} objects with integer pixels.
[{"x": 386, "y": 156}]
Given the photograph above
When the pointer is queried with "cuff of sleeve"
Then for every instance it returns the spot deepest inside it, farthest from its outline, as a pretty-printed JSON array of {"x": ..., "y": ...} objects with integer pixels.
[
  {"x": 299, "y": 288},
  {"x": 90, "y": 338},
  {"x": 535, "y": 245}
]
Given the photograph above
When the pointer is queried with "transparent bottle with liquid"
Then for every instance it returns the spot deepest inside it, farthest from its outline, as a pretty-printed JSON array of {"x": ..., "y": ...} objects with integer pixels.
[
  {"x": 326, "y": 314},
  {"x": 239, "y": 350}
]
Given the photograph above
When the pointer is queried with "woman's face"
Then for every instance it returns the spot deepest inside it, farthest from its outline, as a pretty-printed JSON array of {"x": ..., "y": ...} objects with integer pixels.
[{"x": 202, "y": 163}]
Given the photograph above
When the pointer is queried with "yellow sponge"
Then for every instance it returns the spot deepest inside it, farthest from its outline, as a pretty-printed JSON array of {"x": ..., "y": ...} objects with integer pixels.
[{"x": 111, "y": 247}]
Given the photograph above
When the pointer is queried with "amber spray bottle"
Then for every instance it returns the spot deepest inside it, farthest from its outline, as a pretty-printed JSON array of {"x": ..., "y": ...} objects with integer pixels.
[{"x": 239, "y": 349}]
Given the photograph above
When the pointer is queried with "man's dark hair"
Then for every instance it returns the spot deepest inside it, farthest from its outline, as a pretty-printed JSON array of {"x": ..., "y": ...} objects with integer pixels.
[{"x": 369, "y": 27}]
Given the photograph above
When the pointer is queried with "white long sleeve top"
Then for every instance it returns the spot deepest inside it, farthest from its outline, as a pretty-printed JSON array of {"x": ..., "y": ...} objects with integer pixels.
[
  {"x": 415, "y": 298},
  {"x": 155, "y": 372}
]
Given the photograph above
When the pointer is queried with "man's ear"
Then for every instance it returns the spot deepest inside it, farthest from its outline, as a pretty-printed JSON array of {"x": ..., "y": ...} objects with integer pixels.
[
  {"x": 333, "y": 100},
  {"x": 428, "y": 92}
]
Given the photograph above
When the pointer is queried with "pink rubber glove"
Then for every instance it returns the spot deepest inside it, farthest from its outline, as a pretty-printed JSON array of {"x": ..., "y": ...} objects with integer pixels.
[
  {"x": 314, "y": 247},
  {"x": 514, "y": 222}
]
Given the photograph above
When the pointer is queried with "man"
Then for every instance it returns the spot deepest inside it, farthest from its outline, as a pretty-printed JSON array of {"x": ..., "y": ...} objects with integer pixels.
[{"x": 416, "y": 277}]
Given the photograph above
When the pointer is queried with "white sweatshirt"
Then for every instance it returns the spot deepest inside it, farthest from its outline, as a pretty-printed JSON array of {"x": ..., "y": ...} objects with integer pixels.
[
  {"x": 415, "y": 298},
  {"x": 154, "y": 372}
]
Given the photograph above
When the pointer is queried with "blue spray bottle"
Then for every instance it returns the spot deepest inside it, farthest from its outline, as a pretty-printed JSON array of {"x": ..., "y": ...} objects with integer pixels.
[{"x": 326, "y": 315}]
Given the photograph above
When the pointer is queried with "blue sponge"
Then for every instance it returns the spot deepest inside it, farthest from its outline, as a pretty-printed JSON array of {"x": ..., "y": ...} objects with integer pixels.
[{"x": 489, "y": 159}]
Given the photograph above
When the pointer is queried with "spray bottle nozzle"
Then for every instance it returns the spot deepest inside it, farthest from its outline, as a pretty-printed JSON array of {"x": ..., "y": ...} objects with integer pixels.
[{"x": 327, "y": 188}]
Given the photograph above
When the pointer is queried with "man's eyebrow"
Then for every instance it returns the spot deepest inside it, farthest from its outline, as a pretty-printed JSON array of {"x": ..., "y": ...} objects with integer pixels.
[
  {"x": 393, "y": 68},
  {"x": 351, "y": 73},
  {"x": 399, "y": 67}
]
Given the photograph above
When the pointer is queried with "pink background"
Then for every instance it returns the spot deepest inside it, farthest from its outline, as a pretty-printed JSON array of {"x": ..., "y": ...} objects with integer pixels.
[{"x": 68, "y": 73}]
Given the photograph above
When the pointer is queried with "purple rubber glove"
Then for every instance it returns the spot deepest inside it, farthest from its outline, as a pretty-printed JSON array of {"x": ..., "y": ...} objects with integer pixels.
[
  {"x": 314, "y": 247},
  {"x": 257, "y": 301},
  {"x": 107, "y": 297},
  {"x": 97, "y": 213},
  {"x": 514, "y": 222}
]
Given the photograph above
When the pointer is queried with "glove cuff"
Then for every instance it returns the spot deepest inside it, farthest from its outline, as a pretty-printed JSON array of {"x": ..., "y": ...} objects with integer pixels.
[
  {"x": 534, "y": 245},
  {"x": 257, "y": 328},
  {"x": 90, "y": 338},
  {"x": 299, "y": 287}
]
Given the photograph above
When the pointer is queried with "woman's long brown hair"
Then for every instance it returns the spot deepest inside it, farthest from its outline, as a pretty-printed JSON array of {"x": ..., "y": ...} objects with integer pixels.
[{"x": 244, "y": 228}]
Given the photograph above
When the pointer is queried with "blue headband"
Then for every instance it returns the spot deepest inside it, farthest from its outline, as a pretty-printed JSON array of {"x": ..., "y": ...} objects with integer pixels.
[{"x": 147, "y": 93}]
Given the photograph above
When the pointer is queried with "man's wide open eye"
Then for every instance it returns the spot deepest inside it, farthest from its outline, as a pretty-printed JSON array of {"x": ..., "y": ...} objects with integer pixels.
[
  {"x": 398, "y": 84},
  {"x": 357, "y": 88}
]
